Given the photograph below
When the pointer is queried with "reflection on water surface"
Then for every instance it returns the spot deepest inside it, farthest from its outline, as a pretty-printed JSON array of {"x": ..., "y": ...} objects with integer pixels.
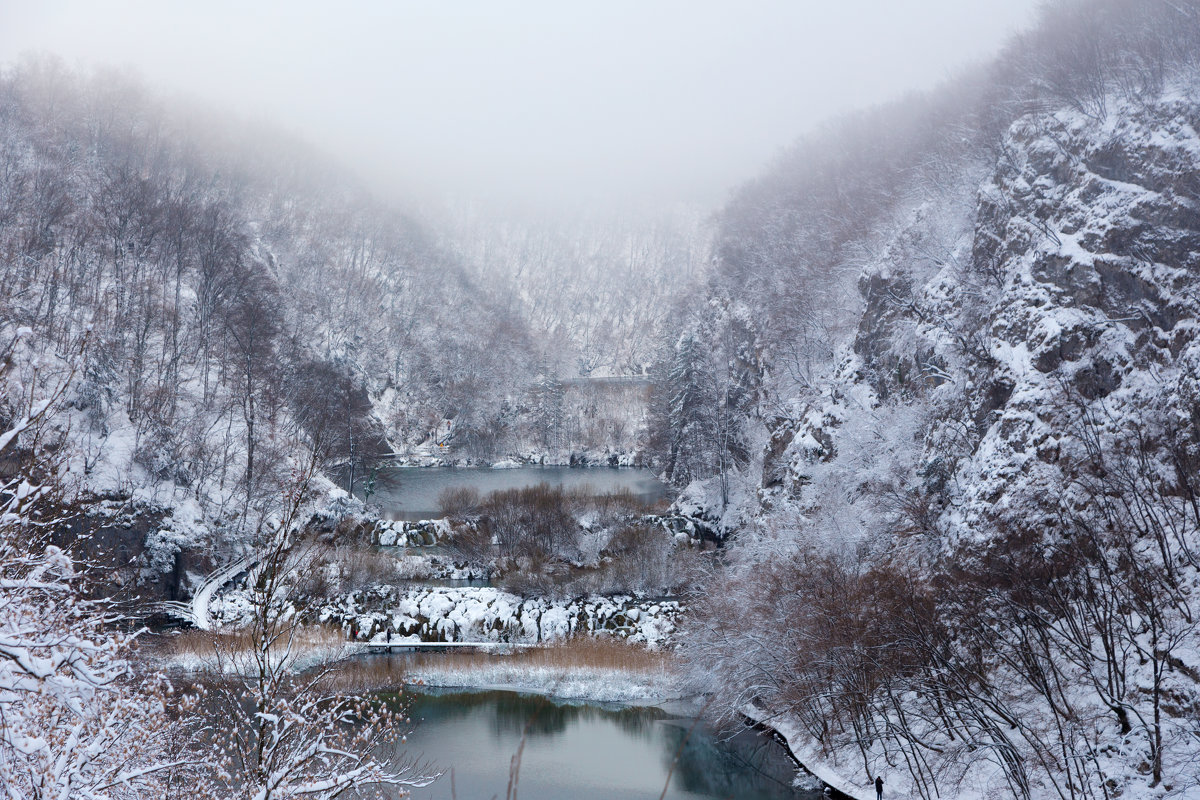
[
  {"x": 585, "y": 752},
  {"x": 412, "y": 492}
]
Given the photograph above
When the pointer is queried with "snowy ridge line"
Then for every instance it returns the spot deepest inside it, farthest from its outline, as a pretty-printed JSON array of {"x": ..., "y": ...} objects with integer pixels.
[{"x": 807, "y": 759}]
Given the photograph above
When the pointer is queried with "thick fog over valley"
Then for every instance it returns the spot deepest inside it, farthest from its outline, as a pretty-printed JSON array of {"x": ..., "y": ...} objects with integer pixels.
[
  {"x": 666, "y": 399},
  {"x": 539, "y": 103}
]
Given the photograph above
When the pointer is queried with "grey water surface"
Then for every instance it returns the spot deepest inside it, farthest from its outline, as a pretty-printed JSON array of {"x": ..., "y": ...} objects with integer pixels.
[
  {"x": 411, "y": 493},
  {"x": 587, "y": 752}
]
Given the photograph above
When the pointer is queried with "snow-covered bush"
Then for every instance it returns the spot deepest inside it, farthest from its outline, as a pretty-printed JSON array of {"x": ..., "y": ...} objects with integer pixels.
[{"x": 76, "y": 721}]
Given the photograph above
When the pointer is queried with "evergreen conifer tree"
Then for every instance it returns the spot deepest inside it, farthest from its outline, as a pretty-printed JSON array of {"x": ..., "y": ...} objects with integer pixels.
[{"x": 689, "y": 412}]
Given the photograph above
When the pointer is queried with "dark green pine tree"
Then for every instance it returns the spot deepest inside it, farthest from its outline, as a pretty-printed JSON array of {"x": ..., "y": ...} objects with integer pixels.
[
  {"x": 689, "y": 412},
  {"x": 548, "y": 407}
]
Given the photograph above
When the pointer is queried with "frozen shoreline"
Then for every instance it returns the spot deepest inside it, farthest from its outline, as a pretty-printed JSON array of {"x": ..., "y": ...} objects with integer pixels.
[
  {"x": 574, "y": 684},
  {"x": 806, "y": 757},
  {"x": 589, "y": 684}
]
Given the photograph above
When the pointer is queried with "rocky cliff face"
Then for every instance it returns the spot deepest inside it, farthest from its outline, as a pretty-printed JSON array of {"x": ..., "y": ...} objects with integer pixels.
[
  {"x": 1071, "y": 298},
  {"x": 1090, "y": 234},
  {"x": 998, "y": 479}
]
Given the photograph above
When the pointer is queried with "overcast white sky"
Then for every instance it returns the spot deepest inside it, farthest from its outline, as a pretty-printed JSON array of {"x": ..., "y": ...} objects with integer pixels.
[{"x": 627, "y": 100}]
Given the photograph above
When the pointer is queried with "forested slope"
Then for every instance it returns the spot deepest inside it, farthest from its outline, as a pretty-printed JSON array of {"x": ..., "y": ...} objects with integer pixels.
[
  {"x": 207, "y": 297},
  {"x": 596, "y": 286},
  {"x": 954, "y": 348}
]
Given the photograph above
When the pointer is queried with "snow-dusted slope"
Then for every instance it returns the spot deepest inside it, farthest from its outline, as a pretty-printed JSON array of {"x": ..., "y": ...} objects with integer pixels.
[
  {"x": 977, "y": 550},
  {"x": 215, "y": 303}
]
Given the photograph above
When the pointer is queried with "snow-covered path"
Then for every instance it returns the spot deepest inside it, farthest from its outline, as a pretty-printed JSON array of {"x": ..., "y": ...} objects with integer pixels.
[{"x": 203, "y": 597}]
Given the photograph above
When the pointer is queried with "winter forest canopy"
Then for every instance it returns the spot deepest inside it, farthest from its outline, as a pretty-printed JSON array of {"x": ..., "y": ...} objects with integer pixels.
[{"x": 924, "y": 398}]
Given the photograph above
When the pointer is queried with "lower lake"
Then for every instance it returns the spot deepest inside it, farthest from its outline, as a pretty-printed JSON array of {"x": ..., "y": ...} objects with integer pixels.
[{"x": 587, "y": 752}]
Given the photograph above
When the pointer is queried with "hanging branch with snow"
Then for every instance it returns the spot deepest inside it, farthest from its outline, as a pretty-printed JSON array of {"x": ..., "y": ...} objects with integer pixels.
[
  {"x": 74, "y": 723},
  {"x": 288, "y": 733}
]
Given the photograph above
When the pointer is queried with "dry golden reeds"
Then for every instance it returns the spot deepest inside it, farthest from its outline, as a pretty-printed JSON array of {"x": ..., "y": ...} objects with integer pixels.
[{"x": 576, "y": 654}]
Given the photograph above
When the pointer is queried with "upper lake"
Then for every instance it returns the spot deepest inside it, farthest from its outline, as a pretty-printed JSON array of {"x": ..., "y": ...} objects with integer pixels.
[{"x": 412, "y": 492}]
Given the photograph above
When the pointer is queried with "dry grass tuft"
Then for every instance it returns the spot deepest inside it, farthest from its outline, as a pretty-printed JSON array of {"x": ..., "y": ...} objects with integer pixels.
[
  {"x": 603, "y": 652},
  {"x": 200, "y": 645},
  {"x": 573, "y": 655},
  {"x": 353, "y": 673}
]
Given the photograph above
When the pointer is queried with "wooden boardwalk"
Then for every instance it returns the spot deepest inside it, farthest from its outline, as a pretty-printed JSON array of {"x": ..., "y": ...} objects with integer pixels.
[{"x": 409, "y": 647}]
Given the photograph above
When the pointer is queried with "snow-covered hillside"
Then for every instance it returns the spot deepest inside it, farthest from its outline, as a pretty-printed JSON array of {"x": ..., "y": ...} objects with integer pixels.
[
  {"x": 216, "y": 303},
  {"x": 974, "y": 547}
]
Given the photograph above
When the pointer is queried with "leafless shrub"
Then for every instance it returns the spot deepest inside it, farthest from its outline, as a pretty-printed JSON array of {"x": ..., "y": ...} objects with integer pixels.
[
  {"x": 328, "y": 571},
  {"x": 532, "y": 522},
  {"x": 470, "y": 542},
  {"x": 459, "y": 502}
]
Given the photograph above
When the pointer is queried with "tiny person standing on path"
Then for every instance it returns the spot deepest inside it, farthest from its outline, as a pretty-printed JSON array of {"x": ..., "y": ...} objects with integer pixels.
[{"x": 878, "y": 787}]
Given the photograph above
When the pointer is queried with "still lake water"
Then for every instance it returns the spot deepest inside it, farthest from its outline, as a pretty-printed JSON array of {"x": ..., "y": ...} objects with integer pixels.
[
  {"x": 411, "y": 493},
  {"x": 571, "y": 751},
  {"x": 585, "y": 752}
]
